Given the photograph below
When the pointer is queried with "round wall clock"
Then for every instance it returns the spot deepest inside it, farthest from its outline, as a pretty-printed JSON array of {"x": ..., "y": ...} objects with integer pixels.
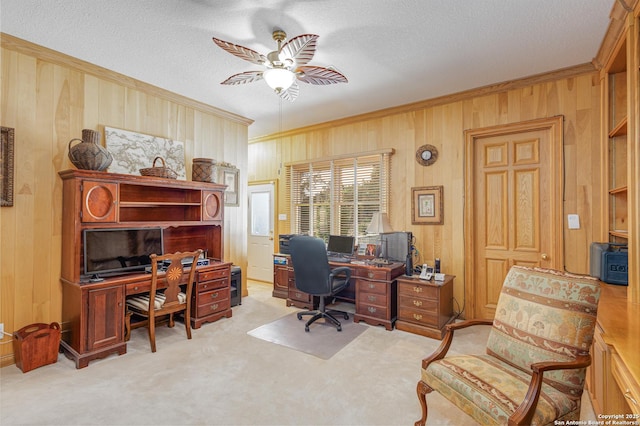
[{"x": 427, "y": 155}]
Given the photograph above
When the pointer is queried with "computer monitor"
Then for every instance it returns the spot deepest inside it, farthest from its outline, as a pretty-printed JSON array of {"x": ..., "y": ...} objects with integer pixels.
[
  {"x": 396, "y": 245},
  {"x": 340, "y": 245}
]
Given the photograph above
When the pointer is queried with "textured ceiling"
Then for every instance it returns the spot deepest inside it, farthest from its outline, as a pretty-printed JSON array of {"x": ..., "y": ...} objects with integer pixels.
[{"x": 392, "y": 51}]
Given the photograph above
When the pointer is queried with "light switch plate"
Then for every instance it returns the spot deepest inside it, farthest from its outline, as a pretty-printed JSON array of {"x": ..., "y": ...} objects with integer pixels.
[
  {"x": 282, "y": 216},
  {"x": 574, "y": 221}
]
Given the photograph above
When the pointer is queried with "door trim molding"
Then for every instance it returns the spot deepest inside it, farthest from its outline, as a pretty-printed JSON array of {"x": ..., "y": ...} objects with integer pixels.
[{"x": 555, "y": 127}]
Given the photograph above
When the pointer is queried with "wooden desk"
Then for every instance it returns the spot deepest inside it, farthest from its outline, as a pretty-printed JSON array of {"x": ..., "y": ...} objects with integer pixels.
[
  {"x": 614, "y": 376},
  {"x": 93, "y": 313},
  {"x": 371, "y": 288}
]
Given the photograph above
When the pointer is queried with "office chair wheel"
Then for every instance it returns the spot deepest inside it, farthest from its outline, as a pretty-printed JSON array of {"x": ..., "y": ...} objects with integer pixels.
[
  {"x": 306, "y": 328},
  {"x": 299, "y": 318},
  {"x": 346, "y": 316},
  {"x": 339, "y": 328}
]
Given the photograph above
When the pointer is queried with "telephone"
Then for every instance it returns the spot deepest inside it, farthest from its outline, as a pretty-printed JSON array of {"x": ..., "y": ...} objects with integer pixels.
[{"x": 427, "y": 272}]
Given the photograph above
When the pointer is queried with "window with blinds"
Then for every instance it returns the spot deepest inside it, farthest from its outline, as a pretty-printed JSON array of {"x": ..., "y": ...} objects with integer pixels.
[{"x": 337, "y": 196}]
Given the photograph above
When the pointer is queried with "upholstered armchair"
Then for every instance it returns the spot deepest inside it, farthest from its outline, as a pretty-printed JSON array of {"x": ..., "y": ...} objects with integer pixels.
[{"x": 533, "y": 371}]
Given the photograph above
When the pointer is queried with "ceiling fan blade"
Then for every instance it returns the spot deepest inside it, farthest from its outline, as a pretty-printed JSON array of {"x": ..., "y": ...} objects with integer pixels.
[
  {"x": 291, "y": 94},
  {"x": 301, "y": 48},
  {"x": 242, "y": 52},
  {"x": 243, "y": 77},
  {"x": 320, "y": 75}
]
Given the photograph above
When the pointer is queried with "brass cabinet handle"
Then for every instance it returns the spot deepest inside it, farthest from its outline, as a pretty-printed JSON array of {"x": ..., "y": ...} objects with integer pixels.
[
  {"x": 417, "y": 317},
  {"x": 627, "y": 395},
  {"x": 214, "y": 295},
  {"x": 371, "y": 309},
  {"x": 417, "y": 302},
  {"x": 372, "y": 285},
  {"x": 417, "y": 289},
  {"x": 544, "y": 256},
  {"x": 371, "y": 298},
  {"x": 214, "y": 306}
]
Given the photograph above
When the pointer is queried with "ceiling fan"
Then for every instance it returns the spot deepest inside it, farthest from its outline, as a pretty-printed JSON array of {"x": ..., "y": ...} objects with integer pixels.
[{"x": 284, "y": 66}]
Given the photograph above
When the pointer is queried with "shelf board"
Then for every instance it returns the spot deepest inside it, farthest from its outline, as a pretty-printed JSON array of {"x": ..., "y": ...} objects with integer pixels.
[
  {"x": 126, "y": 204},
  {"x": 619, "y": 234},
  {"x": 618, "y": 190},
  {"x": 620, "y": 129}
]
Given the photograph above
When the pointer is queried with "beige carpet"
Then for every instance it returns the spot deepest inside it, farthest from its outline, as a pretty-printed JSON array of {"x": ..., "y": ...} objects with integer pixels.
[
  {"x": 322, "y": 339},
  {"x": 224, "y": 376}
]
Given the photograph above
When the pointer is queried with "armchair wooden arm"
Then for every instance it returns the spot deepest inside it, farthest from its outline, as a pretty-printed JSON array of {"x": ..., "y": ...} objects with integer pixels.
[
  {"x": 442, "y": 350},
  {"x": 524, "y": 413}
]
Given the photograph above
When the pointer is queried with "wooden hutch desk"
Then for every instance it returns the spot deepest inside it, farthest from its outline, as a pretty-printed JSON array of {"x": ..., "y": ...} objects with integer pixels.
[
  {"x": 372, "y": 288},
  {"x": 191, "y": 216}
]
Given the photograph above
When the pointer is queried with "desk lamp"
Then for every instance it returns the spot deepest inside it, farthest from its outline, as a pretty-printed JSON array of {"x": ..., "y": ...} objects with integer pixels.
[{"x": 380, "y": 225}]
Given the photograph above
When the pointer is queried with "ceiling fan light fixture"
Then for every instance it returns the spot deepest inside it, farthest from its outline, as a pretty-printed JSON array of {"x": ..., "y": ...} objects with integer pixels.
[{"x": 279, "y": 79}]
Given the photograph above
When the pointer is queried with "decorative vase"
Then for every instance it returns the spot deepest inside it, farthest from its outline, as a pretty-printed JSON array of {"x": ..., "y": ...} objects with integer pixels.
[{"x": 89, "y": 154}]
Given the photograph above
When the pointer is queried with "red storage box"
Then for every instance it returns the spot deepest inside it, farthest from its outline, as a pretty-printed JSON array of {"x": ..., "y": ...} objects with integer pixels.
[{"x": 36, "y": 345}]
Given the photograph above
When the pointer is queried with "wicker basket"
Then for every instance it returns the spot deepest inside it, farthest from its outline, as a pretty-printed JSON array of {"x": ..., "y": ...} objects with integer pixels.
[
  {"x": 163, "y": 171},
  {"x": 204, "y": 170}
]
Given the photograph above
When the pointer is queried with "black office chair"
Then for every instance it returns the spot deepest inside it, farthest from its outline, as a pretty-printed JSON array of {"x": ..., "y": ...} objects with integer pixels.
[{"x": 314, "y": 276}]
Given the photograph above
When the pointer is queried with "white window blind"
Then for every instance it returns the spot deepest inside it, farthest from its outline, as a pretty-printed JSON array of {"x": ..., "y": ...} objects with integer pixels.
[{"x": 337, "y": 196}]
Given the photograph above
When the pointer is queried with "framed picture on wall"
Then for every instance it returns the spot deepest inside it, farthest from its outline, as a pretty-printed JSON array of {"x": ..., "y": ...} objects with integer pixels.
[
  {"x": 230, "y": 176},
  {"x": 427, "y": 205},
  {"x": 6, "y": 167}
]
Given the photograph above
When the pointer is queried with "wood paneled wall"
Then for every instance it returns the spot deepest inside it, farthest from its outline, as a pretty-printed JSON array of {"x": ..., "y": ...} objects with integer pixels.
[
  {"x": 48, "y": 98},
  {"x": 572, "y": 93}
]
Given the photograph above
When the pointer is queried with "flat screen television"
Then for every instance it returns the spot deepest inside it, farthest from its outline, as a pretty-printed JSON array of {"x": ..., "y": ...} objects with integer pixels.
[
  {"x": 340, "y": 245},
  {"x": 114, "y": 251}
]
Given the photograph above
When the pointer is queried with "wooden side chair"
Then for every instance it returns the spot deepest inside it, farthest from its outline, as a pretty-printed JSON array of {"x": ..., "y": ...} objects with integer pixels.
[
  {"x": 172, "y": 299},
  {"x": 533, "y": 371}
]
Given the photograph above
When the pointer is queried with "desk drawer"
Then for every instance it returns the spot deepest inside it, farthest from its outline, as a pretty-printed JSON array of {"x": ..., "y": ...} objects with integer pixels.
[
  {"x": 137, "y": 288},
  {"x": 215, "y": 274},
  {"x": 417, "y": 290},
  {"x": 419, "y": 304},
  {"x": 301, "y": 296},
  {"x": 375, "y": 311},
  {"x": 216, "y": 295},
  {"x": 367, "y": 298},
  {"x": 212, "y": 301},
  {"x": 419, "y": 316},
  {"x": 208, "y": 285},
  {"x": 371, "y": 274},
  {"x": 365, "y": 286}
]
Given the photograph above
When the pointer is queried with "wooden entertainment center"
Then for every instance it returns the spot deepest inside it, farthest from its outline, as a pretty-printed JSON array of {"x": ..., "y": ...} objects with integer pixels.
[{"x": 191, "y": 215}]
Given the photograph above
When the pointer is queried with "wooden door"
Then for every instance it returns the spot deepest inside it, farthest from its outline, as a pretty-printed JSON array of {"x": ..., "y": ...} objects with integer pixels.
[
  {"x": 105, "y": 317},
  {"x": 513, "y": 207},
  {"x": 261, "y": 232}
]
